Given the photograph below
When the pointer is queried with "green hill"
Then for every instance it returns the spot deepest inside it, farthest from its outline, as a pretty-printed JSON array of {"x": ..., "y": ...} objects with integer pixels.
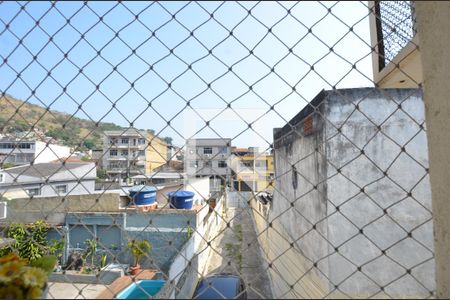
[{"x": 19, "y": 116}]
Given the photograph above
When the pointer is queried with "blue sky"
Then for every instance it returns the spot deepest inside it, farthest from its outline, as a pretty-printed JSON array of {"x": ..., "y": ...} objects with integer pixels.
[{"x": 148, "y": 61}]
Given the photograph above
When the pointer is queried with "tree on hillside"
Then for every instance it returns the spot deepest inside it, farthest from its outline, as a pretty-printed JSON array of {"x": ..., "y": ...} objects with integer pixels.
[
  {"x": 19, "y": 126},
  {"x": 89, "y": 144}
]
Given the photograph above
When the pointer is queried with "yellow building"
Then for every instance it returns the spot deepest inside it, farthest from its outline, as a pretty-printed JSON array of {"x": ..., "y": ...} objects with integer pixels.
[
  {"x": 130, "y": 152},
  {"x": 252, "y": 170},
  {"x": 155, "y": 153}
]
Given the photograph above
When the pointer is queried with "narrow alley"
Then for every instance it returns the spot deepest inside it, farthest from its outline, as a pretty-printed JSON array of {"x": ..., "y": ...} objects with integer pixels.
[{"x": 236, "y": 251}]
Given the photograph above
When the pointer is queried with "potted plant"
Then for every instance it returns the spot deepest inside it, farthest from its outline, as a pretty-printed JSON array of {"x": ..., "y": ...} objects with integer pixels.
[
  {"x": 139, "y": 249},
  {"x": 21, "y": 279},
  {"x": 55, "y": 248},
  {"x": 90, "y": 251}
]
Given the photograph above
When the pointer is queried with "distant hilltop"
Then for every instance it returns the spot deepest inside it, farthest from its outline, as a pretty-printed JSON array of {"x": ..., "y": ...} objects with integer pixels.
[{"x": 63, "y": 127}]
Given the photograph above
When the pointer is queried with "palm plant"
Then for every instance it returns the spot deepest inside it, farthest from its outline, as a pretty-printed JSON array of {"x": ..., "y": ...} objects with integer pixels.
[
  {"x": 91, "y": 250},
  {"x": 139, "y": 249}
]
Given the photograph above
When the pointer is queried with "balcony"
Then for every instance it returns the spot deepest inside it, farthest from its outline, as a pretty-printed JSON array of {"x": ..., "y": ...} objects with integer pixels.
[
  {"x": 117, "y": 158},
  {"x": 124, "y": 146}
]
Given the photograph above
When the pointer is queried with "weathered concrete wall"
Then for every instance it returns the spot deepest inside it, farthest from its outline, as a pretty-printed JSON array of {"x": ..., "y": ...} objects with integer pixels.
[
  {"x": 289, "y": 264},
  {"x": 433, "y": 18},
  {"x": 385, "y": 206},
  {"x": 166, "y": 230},
  {"x": 377, "y": 210},
  {"x": 299, "y": 204},
  {"x": 28, "y": 210}
]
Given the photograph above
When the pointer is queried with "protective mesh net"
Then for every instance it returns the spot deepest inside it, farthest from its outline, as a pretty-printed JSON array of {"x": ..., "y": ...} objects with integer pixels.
[{"x": 197, "y": 139}]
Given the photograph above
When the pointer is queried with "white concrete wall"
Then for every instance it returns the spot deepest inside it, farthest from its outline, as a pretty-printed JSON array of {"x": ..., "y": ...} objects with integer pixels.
[
  {"x": 191, "y": 261},
  {"x": 200, "y": 186},
  {"x": 50, "y": 153}
]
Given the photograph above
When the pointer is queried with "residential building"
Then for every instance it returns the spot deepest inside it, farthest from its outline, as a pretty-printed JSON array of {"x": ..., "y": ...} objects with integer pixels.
[
  {"x": 209, "y": 157},
  {"x": 131, "y": 152},
  {"x": 22, "y": 152},
  {"x": 251, "y": 169},
  {"x": 50, "y": 179},
  {"x": 396, "y": 57},
  {"x": 156, "y": 153}
]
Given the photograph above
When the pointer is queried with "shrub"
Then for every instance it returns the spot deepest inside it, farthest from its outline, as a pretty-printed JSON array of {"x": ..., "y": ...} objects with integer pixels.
[{"x": 30, "y": 240}]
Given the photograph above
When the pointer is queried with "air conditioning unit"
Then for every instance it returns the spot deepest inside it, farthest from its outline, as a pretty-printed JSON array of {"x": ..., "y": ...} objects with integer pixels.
[{"x": 3, "y": 206}]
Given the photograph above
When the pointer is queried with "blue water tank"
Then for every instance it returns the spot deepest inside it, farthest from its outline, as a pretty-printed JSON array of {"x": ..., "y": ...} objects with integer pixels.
[
  {"x": 181, "y": 199},
  {"x": 143, "y": 195}
]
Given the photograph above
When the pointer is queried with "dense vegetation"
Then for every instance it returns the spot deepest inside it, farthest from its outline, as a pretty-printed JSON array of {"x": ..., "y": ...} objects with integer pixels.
[{"x": 18, "y": 116}]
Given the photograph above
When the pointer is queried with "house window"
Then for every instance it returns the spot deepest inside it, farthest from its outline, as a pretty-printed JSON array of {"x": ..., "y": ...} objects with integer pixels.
[
  {"x": 248, "y": 163},
  {"x": 141, "y": 141},
  {"x": 141, "y": 152},
  {"x": 61, "y": 189},
  {"x": 113, "y": 141},
  {"x": 208, "y": 163},
  {"x": 223, "y": 150},
  {"x": 113, "y": 165},
  {"x": 2, "y": 177},
  {"x": 34, "y": 191},
  {"x": 207, "y": 150},
  {"x": 125, "y": 141},
  {"x": 222, "y": 164},
  {"x": 25, "y": 146},
  {"x": 158, "y": 180},
  {"x": 112, "y": 152},
  {"x": 124, "y": 153}
]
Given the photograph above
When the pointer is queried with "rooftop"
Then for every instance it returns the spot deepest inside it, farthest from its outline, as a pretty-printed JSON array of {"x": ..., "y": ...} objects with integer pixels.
[
  {"x": 44, "y": 169},
  {"x": 126, "y": 132},
  {"x": 209, "y": 142}
]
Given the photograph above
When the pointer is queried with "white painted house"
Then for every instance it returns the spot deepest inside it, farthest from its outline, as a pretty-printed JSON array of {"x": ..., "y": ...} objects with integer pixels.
[
  {"x": 50, "y": 179},
  {"x": 208, "y": 157},
  {"x": 22, "y": 152}
]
